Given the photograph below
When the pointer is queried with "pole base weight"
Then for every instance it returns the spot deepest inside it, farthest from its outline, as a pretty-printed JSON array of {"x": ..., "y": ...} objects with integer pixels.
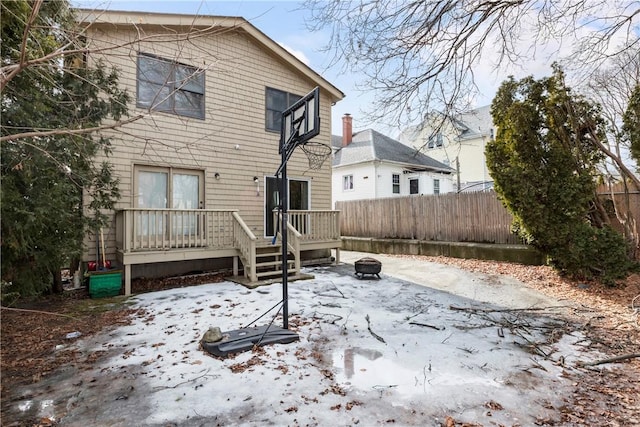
[{"x": 240, "y": 340}]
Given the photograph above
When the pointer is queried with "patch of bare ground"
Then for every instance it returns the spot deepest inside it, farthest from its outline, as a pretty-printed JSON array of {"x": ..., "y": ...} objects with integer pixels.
[
  {"x": 144, "y": 284},
  {"x": 34, "y": 336}
]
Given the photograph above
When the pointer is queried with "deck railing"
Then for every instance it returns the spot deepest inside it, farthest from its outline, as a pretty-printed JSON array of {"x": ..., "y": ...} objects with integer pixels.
[
  {"x": 140, "y": 229},
  {"x": 245, "y": 241},
  {"x": 316, "y": 225},
  {"x": 293, "y": 244},
  {"x": 150, "y": 235},
  {"x": 164, "y": 229}
]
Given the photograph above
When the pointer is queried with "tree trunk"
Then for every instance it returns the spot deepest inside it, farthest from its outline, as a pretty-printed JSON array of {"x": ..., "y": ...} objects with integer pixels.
[
  {"x": 57, "y": 282},
  {"x": 74, "y": 265}
]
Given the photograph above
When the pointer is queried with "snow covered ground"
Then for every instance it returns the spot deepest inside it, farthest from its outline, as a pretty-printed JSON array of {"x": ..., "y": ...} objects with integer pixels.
[{"x": 370, "y": 352}]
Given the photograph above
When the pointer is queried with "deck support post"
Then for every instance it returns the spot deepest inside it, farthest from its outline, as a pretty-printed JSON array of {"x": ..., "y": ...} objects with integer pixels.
[
  {"x": 235, "y": 265},
  {"x": 127, "y": 279}
]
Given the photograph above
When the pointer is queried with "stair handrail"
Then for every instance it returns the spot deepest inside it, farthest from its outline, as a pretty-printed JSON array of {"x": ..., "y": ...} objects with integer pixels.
[
  {"x": 293, "y": 242},
  {"x": 245, "y": 241},
  {"x": 294, "y": 239}
]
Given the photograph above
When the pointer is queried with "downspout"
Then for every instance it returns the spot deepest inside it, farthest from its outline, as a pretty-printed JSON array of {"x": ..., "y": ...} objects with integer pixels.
[
  {"x": 375, "y": 175},
  {"x": 458, "y": 173}
]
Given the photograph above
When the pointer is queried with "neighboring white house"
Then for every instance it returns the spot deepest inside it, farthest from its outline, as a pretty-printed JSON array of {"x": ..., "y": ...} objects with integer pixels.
[
  {"x": 370, "y": 165},
  {"x": 459, "y": 142}
]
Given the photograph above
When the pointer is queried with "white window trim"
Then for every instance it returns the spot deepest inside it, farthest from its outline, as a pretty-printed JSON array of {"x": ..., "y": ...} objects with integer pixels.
[
  {"x": 436, "y": 181},
  {"x": 393, "y": 184},
  {"x": 170, "y": 171}
]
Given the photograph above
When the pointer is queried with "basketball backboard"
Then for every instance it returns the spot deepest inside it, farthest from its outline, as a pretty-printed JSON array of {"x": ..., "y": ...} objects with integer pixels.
[{"x": 302, "y": 120}]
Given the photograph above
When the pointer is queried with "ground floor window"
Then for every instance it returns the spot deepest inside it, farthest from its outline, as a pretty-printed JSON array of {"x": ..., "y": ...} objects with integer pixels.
[
  {"x": 436, "y": 186},
  {"x": 161, "y": 188},
  {"x": 414, "y": 187}
]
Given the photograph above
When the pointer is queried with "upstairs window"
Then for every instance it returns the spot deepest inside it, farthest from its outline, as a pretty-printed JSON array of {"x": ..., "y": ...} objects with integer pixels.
[
  {"x": 435, "y": 141},
  {"x": 395, "y": 178},
  {"x": 276, "y": 102},
  {"x": 170, "y": 87}
]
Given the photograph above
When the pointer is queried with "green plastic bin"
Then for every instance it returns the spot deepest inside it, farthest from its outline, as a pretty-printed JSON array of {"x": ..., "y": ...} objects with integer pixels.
[{"x": 105, "y": 283}]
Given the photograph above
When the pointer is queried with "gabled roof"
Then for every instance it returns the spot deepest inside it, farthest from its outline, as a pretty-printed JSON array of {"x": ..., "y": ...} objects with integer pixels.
[
  {"x": 475, "y": 123},
  {"x": 204, "y": 23},
  {"x": 472, "y": 124},
  {"x": 370, "y": 145}
]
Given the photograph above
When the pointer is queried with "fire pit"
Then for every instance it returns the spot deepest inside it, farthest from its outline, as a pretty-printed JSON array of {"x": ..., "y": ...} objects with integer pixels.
[{"x": 369, "y": 266}]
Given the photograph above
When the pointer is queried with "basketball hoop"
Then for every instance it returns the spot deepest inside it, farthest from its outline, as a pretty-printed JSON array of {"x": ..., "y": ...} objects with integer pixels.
[{"x": 317, "y": 153}]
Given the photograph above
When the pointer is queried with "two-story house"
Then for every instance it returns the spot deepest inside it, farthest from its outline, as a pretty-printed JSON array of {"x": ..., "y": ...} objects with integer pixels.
[
  {"x": 457, "y": 141},
  {"x": 197, "y": 169},
  {"x": 370, "y": 165}
]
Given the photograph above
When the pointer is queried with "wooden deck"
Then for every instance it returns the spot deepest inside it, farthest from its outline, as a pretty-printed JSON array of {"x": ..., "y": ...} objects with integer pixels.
[{"x": 165, "y": 235}]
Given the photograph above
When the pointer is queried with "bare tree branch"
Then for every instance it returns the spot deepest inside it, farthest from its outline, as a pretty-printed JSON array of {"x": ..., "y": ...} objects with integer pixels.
[
  {"x": 422, "y": 55},
  {"x": 27, "y": 29},
  {"x": 48, "y": 313},
  {"x": 610, "y": 360},
  {"x": 52, "y": 132},
  {"x": 617, "y": 160},
  {"x": 9, "y": 71}
]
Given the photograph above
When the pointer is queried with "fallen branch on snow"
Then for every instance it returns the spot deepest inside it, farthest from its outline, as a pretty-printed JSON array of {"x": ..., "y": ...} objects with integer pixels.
[
  {"x": 327, "y": 317},
  {"x": 503, "y": 310},
  {"x": 609, "y": 360},
  {"x": 373, "y": 334},
  {"x": 426, "y": 325},
  {"x": 206, "y": 374}
]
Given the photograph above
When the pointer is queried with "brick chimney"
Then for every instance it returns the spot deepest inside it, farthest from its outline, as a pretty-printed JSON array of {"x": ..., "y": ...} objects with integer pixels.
[{"x": 347, "y": 129}]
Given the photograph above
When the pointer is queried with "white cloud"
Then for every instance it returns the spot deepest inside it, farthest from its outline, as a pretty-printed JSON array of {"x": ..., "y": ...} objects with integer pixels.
[{"x": 297, "y": 53}]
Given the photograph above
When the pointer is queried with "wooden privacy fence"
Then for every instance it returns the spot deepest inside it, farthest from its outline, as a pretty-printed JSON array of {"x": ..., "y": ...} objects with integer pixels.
[
  {"x": 464, "y": 217},
  {"x": 455, "y": 217},
  {"x": 627, "y": 201},
  {"x": 623, "y": 206}
]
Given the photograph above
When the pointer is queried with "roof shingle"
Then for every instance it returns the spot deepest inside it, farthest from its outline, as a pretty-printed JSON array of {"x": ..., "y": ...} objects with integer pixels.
[{"x": 370, "y": 145}]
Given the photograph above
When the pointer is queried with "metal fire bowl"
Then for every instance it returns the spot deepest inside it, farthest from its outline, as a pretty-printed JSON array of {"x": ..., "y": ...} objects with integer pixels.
[{"x": 368, "y": 266}]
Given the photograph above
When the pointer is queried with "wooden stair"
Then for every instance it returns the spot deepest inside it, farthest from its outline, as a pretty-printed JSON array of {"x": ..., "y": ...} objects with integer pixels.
[{"x": 268, "y": 263}]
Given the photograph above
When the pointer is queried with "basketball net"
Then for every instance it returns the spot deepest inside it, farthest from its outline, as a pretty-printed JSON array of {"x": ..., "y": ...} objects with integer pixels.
[{"x": 317, "y": 153}]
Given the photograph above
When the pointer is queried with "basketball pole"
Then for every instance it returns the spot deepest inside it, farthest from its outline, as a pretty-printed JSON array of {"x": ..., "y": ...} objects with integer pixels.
[
  {"x": 294, "y": 118},
  {"x": 285, "y": 249},
  {"x": 303, "y": 117},
  {"x": 285, "y": 153}
]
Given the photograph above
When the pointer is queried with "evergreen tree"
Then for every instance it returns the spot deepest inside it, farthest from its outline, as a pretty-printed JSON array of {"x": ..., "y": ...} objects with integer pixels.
[
  {"x": 545, "y": 166},
  {"x": 52, "y": 190},
  {"x": 631, "y": 128}
]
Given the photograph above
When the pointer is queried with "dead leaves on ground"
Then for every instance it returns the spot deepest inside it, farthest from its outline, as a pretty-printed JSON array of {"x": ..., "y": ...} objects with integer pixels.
[
  {"x": 451, "y": 422},
  {"x": 34, "y": 344}
]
